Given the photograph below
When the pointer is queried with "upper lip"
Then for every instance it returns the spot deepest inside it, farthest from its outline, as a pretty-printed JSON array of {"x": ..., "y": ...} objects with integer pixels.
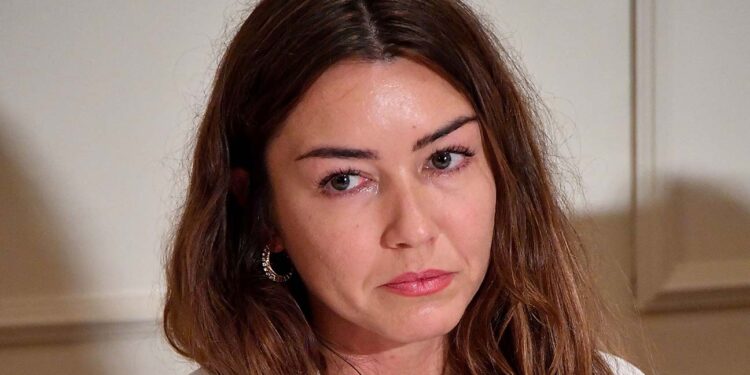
[{"x": 416, "y": 276}]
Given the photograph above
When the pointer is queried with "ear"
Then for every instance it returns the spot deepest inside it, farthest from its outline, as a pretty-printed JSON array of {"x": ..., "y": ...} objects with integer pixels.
[
  {"x": 238, "y": 185},
  {"x": 277, "y": 244}
]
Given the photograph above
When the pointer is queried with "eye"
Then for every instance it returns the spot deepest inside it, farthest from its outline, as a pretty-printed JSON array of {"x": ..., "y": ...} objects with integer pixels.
[
  {"x": 341, "y": 181},
  {"x": 443, "y": 161},
  {"x": 348, "y": 181}
]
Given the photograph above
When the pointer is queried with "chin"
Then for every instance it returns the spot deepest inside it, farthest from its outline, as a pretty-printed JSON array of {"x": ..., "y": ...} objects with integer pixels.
[{"x": 424, "y": 326}]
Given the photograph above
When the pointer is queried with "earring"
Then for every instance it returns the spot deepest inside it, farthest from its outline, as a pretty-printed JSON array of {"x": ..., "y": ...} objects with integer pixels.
[{"x": 270, "y": 273}]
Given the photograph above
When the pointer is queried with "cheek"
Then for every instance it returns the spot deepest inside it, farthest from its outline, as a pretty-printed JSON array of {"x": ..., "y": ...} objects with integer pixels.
[
  {"x": 331, "y": 252},
  {"x": 470, "y": 217}
]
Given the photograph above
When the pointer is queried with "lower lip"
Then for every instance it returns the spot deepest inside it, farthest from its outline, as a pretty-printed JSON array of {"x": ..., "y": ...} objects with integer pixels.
[{"x": 421, "y": 287}]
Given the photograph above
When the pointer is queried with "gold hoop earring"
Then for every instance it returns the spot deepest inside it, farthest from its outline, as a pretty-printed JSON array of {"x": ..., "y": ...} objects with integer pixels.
[{"x": 270, "y": 273}]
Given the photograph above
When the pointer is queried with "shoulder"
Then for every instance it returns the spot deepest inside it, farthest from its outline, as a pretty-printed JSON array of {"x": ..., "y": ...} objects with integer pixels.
[{"x": 620, "y": 366}]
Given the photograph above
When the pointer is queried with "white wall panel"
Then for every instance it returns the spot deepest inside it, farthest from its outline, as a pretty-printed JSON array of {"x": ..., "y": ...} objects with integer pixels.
[{"x": 693, "y": 170}]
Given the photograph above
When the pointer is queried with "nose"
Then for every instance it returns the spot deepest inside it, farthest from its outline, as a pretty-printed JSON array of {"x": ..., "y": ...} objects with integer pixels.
[{"x": 410, "y": 224}]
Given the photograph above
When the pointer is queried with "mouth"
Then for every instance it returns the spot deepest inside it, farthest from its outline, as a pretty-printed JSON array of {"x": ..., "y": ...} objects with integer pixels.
[{"x": 413, "y": 284}]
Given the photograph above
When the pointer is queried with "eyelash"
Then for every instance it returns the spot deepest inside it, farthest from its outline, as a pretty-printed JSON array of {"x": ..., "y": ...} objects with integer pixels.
[{"x": 457, "y": 149}]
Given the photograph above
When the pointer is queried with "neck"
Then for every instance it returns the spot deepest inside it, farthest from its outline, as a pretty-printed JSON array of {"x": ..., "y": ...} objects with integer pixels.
[
  {"x": 424, "y": 357},
  {"x": 348, "y": 346}
]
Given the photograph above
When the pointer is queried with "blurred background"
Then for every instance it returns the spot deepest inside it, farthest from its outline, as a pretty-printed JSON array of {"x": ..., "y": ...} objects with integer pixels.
[{"x": 649, "y": 104}]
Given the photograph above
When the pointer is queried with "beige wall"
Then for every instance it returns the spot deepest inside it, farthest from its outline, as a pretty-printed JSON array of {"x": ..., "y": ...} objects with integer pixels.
[{"x": 97, "y": 102}]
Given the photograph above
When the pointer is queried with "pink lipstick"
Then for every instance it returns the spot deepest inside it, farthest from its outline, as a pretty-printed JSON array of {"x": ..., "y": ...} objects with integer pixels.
[{"x": 415, "y": 284}]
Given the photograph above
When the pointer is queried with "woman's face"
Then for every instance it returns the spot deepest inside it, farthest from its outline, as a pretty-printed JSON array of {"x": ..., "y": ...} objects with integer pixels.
[{"x": 368, "y": 185}]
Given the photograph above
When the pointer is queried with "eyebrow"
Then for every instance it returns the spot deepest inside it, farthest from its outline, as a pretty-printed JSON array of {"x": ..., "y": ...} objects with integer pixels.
[{"x": 352, "y": 153}]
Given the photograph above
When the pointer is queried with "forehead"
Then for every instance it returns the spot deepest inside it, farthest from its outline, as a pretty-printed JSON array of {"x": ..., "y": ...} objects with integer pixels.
[{"x": 363, "y": 102}]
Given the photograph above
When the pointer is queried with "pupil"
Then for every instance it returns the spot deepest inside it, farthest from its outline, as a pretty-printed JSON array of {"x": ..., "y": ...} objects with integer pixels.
[
  {"x": 442, "y": 160},
  {"x": 341, "y": 182}
]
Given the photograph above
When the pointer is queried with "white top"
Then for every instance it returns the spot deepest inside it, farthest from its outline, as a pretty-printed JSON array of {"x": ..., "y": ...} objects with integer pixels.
[{"x": 618, "y": 365}]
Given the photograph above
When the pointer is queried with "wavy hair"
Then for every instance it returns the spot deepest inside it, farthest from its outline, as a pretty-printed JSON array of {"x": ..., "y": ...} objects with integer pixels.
[{"x": 532, "y": 314}]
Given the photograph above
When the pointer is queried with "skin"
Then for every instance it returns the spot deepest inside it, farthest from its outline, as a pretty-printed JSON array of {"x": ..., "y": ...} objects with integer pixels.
[{"x": 403, "y": 213}]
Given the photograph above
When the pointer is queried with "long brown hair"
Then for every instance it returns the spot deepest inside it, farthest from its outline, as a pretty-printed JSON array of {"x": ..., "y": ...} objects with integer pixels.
[{"x": 530, "y": 315}]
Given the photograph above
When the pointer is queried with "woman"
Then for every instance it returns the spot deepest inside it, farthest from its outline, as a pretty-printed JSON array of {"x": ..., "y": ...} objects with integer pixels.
[{"x": 370, "y": 195}]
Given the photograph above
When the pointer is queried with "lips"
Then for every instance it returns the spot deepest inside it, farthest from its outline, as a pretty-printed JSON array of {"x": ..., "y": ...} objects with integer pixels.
[
  {"x": 413, "y": 284},
  {"x": 416, "y": 276}
]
